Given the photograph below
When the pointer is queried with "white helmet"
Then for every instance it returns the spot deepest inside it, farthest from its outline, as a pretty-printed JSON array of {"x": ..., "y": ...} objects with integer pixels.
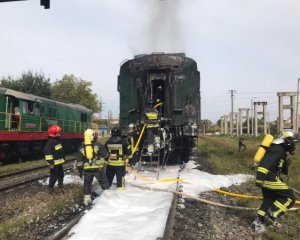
[
  {"x": 289, "y": 136},
  {"x": 131, "y": 127}
]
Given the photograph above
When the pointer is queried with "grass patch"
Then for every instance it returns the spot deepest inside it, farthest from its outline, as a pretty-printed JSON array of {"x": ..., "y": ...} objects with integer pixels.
[
  {"x": 28, "y": 165},
  {"x": 223, "y": 156},
  {"x": 36, "y": 211}
]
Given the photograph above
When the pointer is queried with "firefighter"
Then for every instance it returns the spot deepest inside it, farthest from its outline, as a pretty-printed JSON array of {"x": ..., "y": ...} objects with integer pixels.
[
  {"x": 277, "y": 196},
  {"x": 118, "y": 150},
  {"x": 152, "y": 121},
  {"x": 133, "y": 136},
  {"x": 55, "y": 157},
  {"x": 90, "y": 161}
]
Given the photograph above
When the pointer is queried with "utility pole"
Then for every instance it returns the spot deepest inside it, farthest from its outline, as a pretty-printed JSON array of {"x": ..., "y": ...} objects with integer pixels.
[
  {"x": 297, "y": 116},
  {"x": 232, "y": 92}
]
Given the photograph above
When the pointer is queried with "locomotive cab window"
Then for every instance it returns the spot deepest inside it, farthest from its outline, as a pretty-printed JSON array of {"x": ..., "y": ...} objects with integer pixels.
[
  {"x": 83, "y": 117},
  {"x": 31, "y": 108},
  {"x": 52, "y": 112}
]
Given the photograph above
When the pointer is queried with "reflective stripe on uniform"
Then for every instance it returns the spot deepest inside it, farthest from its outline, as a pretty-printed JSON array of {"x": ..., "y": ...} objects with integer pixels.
[
  {"x": 117, "y": 163},
  {"x": 152, "y": 116},
  {"x": 92, "y": 167},
  {"x": 49, "y": 157},
  {"x": 149, "y": 125},
  {"x": 274, "y": 185},
  {"x": 59, "y": 161},
  {"x": 123, "y": 184},
  {"x": 115, "y": 159},
  {"x": 281, "y": 207},
  {"x": 281, "y": 161},
  {"x": 58, "y": 146},
  {"x": 261, "y": 213},
  {"x": 95, "y": 164},
  {"x": 262, "y": 170},
  {"x": 118, "y": 147}
]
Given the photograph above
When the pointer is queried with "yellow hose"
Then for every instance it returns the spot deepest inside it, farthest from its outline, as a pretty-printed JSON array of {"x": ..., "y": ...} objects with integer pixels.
[
  {"x": 158, "y": 105},
  {"x": 200, "y": 199},
  {"x": 242, "y": 195},
  {"x": 138, "y": 141}
]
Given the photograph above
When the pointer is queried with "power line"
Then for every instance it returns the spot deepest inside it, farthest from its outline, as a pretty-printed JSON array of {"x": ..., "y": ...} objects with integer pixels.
[{"x": 256, "y": 92}]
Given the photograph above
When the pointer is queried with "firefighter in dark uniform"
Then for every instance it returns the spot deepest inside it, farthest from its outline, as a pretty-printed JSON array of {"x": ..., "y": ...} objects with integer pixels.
[
  {"x": 133, "y": 137},
  {"x": 118, "y": 150},
  {"x": 153, "y": 124},
  {"x": 277, "y": 196},
  {"x": 92, "y": 167},
  {"x": 55, "y": 157}
]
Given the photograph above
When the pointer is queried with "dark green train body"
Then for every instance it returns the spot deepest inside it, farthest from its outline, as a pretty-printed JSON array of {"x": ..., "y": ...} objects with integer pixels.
[
  {"x": 25, "y": 120},
  {"x": 172, "y": 79}
]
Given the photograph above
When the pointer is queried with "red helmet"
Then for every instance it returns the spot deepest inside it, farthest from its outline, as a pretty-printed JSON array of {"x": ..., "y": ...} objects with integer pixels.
[{"x": 54, "y": 131}]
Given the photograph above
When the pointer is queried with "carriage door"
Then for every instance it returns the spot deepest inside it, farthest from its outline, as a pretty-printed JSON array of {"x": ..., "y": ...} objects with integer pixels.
[
  {"x": 12, "y": 113},
  {"x": 8, "y": 112}
]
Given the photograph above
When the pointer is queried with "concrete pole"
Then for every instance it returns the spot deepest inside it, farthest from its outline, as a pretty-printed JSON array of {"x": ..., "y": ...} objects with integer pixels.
[
  {"x": 265, "y": 117},
  {"x": 280, "y": 111},
  {"x": 222, "y": 124},
  {"x": 255, "y": 120},
  {"x": 226, "y": 124},
  {"x": 293, "y": 113},
  {"x": 248, "y": 122},
  {"x": 236, "y": 123},
  {"x": 292, "y": 107},
  {"x": 297, "y": 113},
  {"x": 240, "y": 122}
]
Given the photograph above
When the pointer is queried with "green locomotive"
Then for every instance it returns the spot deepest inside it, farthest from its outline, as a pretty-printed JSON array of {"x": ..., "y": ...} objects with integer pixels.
[
  {"x": 170, "y": 83},
  {"x": 25, "y": 120}
]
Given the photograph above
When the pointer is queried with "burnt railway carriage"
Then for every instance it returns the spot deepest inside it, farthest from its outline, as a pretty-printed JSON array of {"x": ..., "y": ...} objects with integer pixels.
[
  {"x": 25, "y": 119},
  {"x": 170, "y": 79}
]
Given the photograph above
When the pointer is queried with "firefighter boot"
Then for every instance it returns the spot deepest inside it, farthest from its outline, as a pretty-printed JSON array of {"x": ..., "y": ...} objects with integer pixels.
[
  {"x": 258, "y": 225},
  {"x": 61, "y": 188},
  {"x": 87, "y": 200},
  {"x": 273, "y": 219},
  {"x": 51, "y": 191},
  {"x": 157, "y": 142},
  {"x": 150, "y": 149}
]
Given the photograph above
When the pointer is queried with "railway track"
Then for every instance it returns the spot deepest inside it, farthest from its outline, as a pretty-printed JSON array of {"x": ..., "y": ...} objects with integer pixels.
[
  {"x": 12, "y": 180},
  {"x": 62, "y": 234}
]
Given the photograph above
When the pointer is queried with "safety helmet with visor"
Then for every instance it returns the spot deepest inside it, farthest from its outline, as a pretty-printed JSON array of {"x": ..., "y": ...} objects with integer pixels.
[
  {"x": 54, "y": 131},
  {"x": 289, "y": 137}
]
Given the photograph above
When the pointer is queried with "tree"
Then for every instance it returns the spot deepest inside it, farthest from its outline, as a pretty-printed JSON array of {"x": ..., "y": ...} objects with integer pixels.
[
  {"x": 29, "y": 82},
  {"x": 71, "y": 89}
]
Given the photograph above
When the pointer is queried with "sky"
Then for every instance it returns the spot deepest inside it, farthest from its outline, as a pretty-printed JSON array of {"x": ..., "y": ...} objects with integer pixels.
[
  {"x": 248, "y": 46},
  {"x": 142, "y": 214}
]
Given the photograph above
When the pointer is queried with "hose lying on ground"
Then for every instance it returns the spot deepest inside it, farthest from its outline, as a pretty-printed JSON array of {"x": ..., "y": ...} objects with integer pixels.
[
  {"x": 198, "y": 198},
  {"x": 242, "y": 195}
]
